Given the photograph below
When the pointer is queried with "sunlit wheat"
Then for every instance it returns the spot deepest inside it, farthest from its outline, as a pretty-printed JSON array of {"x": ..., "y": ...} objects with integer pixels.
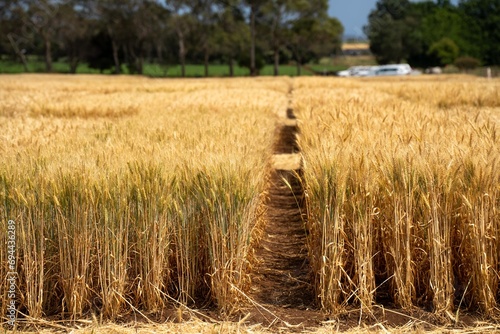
[
  {"x": 403, "y": 182},
  {"x": 127, "y": 190}
]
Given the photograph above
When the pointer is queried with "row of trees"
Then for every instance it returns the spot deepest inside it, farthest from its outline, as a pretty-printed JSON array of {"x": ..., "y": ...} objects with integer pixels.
[
  {"x": 108, "y": 33},
  {"x": 435, "y": 33}
]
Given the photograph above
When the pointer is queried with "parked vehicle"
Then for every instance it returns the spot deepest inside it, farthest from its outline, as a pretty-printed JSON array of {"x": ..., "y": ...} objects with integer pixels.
[
  {"x": 355, "y": 71},
  {"x": 371, "y": 71},
  {"x": 393, "y": 69},
  {"x": 434, "y": 70}
]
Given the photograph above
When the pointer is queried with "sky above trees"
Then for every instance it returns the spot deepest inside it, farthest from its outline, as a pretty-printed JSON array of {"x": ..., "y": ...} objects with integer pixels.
[{"x": 353, "y": 14}]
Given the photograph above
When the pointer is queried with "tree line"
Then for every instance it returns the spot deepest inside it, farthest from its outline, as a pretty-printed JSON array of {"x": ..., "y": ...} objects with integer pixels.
[
  {"x": 435, "y": 33},
  {"x": 109, "y": 34}
]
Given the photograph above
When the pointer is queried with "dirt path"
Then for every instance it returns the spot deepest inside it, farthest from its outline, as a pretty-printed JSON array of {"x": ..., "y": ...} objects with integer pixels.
[
  {"x": 281, "y": 283},
  {"x": 281, "y": 278}
]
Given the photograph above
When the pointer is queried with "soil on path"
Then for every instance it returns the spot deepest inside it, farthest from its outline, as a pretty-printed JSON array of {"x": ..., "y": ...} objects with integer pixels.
[
  {"x": 282, "y": 291},
  {"x": 281, "y": 282}
]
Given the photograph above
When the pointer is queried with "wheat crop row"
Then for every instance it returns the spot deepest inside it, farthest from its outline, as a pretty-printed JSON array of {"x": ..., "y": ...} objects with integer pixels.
[
  {"x": 403, "y": 186},
  {"x": 131, "y": 194}
]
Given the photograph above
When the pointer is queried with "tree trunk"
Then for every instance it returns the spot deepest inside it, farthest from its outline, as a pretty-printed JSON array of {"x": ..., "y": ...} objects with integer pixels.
[
  {"x": 19, "y": 53},
  {"x": 183, "y": 66},
  {"x": 48, "y": 54},
  {"x": 73, "y": 64},
  {"x": 115, "y": 56},
  {"x": 231, "y": 67},
  {"x": 275, "y": 43},
  {"x": 140, "y": 63},
  {"x": 182, "y": 52},
  {"x": 137, "y": 60},
  {"x": 206, "y": 58},
  {"x": 276, "y": 62},
  {"x": 182, "y": 57},
  {"x": 128, "y": 62},
  {"x": 299, "y": 68},
  {"x": 159, "y": 53},
  {"x": 253, "y": 70}
]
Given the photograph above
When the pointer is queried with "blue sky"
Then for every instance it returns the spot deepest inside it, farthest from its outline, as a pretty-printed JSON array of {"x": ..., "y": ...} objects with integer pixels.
[{"x": 353, "y": 14}]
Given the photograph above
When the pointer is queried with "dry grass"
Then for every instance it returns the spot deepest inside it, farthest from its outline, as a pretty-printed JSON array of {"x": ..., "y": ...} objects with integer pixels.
[
  {"x": 195, "y": 325},
  {"x": 404, "y": 191}
]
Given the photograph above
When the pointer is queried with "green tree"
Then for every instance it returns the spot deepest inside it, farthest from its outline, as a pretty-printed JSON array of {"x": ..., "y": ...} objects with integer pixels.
[
  {"x": 160, "y": 36},
  {"x": 206, "y": 15},
  {"x": 425, "y": 33},
  {"x": 41, "y": 18},
  {"x": 112, "y": 18},
  {"x": 443, "y": 22},
  {"x": 254, "y": 9},
  {"x": 445, "y": 50},
  {"x": 232, "y": 35},
  {"x": 390, "y": 31},
  {"x": 182, "y": 23},
  {"x": 145, "y": 27},
  {"x": 482, "y": 18},
  {"x": 74, "y": 31},
  {"x": 279, "y": 16},
  {"x": 13, "y": 38},
  {"x": 437, "y": 21},
  {"x": 134, "y": 26},
  {"x": 100, "y": 52},
  {"x": 313, "y": 37}
]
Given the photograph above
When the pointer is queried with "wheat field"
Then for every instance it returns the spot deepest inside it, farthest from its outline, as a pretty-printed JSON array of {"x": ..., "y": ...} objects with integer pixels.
[
  {"x": 404, "y": 191},
  {"x": 132, "y": 194}
]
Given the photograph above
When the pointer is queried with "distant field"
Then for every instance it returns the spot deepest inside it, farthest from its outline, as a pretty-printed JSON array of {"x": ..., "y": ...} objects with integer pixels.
[{"x": 132, "y": 194}]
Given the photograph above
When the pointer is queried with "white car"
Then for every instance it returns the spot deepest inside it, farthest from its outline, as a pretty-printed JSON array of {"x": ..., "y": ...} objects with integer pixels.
[
  {"x": 355, "y": 71},
  {"x": 393, "y": 69}
]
